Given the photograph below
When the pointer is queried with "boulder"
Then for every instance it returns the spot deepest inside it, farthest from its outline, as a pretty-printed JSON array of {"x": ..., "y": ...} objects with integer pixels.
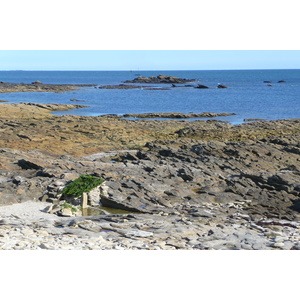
[{"x": 201, "y": 86}]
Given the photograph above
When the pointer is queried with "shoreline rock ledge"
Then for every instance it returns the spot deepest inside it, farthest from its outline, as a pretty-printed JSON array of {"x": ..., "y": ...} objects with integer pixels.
[
  {"x": 177, "y": 115},
  {"x": 159, "y": 79}
]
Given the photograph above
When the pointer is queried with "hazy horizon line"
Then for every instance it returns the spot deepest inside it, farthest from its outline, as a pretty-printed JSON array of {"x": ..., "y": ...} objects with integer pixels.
[{"x": 144, "y": 70}]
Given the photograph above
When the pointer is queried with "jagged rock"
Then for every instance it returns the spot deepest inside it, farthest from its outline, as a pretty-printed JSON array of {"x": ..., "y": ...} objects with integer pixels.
[
  {"x": 25, "y": 164},
  {"x": 120, "y": 203}
]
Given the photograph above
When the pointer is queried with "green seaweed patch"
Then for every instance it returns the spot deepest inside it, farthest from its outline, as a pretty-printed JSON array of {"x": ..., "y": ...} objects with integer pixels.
[
  {"x": 83, "y": 184},
  {"x": 68, "y": 205}
]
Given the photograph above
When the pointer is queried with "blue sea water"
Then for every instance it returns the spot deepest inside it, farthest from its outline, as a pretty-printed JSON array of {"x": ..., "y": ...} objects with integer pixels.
[{"x": 247, "y": 95}]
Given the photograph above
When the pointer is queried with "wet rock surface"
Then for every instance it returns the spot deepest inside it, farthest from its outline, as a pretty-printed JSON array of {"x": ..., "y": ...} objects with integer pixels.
[
  {"x": 128, "y": 87},
  {"x": 38, "y": 86},
  {"x": 176, "y": 115}
]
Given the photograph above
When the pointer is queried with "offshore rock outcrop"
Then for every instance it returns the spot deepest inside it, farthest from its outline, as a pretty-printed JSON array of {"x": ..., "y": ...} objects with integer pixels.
[
  {"x": 159, "y": 79},
  {"x": 201, "y": 86},
  {"x": 128, "y": 87},
  {"x": 38, "y": 86}
]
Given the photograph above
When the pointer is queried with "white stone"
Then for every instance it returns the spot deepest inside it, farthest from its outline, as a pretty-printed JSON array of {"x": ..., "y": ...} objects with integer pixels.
[
  {"x": 94, "y": 196},
  {"x": 103, "y": 190},
  {"x": 66, "y": 212},
  {"x": 279, "y": 239},
  {"x": 138, "y": 233},
  {"x": 84, "y": 200},
  {"x": 278, "y": 245}
]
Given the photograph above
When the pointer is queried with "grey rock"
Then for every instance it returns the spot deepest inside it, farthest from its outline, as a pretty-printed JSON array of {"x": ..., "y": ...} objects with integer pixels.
[{"x": 138, "y": 233}]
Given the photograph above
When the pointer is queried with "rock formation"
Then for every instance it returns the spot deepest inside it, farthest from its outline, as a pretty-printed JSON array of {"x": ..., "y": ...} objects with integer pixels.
[
  {"x": 38, "y": 86},
  {"x": 159, "y": 79},
  {"x": 175, "y": 115},
  {"x": 189, "y": 185}
]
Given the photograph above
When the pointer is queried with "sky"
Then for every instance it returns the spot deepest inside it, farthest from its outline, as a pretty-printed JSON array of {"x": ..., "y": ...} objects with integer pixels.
[{"x": 148, "y": 59}]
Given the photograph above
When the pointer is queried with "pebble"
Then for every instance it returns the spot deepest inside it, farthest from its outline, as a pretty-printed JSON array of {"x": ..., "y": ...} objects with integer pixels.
[
  {"x": 144, "y": 231},
  {"x": 278, "y": 245},
  {"x": 279, "y": 239}
]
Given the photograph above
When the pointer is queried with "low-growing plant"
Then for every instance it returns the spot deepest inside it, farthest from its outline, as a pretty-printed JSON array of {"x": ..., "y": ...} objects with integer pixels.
[
  {"x": 68, "y": 205},
  {"x": 83, "y": 184}
]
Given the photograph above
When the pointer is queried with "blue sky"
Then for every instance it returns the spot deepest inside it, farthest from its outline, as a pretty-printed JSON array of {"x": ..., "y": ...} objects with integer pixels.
[{"x": 148, "y": 59}]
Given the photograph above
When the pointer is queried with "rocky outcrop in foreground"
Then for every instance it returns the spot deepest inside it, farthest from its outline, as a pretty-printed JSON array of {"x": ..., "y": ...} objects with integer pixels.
[
  {"x": 183, "y": 194},
  {"x": 182, "y": 184}
]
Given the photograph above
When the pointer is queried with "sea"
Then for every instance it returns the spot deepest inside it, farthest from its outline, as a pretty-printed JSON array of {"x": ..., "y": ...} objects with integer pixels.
[{"x": 247, "y": 95}]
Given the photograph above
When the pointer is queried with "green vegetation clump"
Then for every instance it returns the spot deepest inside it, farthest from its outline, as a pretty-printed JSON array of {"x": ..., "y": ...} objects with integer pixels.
[
  {"x": 70, "y": 206},
  {"x": 81, "y": 185}
]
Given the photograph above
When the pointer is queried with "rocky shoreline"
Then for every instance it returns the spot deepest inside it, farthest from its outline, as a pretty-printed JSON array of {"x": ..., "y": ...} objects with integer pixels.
[
  {"x": 183, "y": 185},
  {"x": 176, "y": 115}
]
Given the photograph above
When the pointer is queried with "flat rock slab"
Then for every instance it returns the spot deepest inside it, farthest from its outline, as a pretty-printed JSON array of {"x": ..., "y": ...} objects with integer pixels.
[
  {"x": 37, "y": 86},
  {"x": 177, "y": 115}
]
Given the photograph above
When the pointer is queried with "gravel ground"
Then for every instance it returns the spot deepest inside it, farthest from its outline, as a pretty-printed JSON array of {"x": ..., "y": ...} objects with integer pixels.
[{"x": 29, "y": 209}]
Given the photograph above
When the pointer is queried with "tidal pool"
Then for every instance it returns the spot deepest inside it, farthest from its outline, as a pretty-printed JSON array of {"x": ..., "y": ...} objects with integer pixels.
[{"x": 102, "y": 210}]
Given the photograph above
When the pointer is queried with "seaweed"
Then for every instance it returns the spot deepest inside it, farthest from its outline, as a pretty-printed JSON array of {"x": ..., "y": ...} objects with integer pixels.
[{"x": 83, "y": 184}]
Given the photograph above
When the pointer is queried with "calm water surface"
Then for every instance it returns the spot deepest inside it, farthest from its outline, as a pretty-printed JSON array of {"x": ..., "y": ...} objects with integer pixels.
[{"x": 247, "y": 95}]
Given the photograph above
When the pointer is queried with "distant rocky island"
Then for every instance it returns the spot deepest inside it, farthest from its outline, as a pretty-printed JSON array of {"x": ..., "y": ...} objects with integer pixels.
[{"x": 159, "y": 79}]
